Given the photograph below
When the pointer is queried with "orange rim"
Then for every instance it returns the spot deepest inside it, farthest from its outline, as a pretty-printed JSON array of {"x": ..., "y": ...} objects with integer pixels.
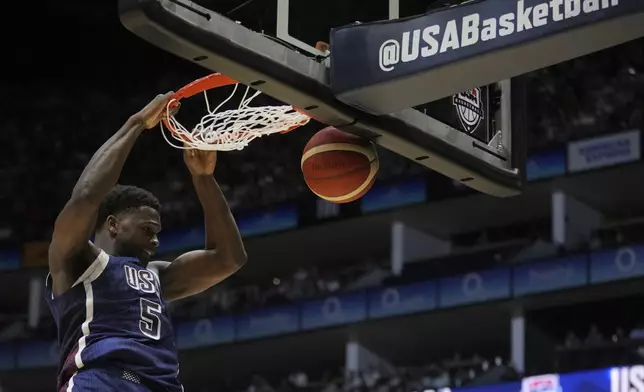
[
  {"x": 206, "y": 83},
  {"x": 200, "y": 85},
  {"x": 210, "y": 82}
]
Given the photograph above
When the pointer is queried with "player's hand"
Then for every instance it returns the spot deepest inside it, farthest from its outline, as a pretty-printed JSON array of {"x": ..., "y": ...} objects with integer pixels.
[
  {"x": 153, "y": 112},
  {"x": 200, "y": 162}
]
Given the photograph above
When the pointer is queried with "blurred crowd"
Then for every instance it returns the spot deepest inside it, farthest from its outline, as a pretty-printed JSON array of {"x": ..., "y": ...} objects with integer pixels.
[
  {"x": 599, "y": 93},
  {"x": 480, "y": 249},
  {"x": 584, "y": 346},
  {"x": 584, "y": 336},
  {"x": 234, "y": 296},
  {"x": 452, "y": 372},
  {"x": 54, "y": 130},
  {"x": 595, "y": 348}
]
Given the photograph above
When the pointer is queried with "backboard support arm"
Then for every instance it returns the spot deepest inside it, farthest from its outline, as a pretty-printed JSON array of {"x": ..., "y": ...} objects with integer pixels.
[{"x": 283, "y": 34}]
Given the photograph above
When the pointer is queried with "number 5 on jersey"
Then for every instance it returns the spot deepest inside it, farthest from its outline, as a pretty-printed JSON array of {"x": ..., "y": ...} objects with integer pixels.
[{"x": 150, "y": 324}]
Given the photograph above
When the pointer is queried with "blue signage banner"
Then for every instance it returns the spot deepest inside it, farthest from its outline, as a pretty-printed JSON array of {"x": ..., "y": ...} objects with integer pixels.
[
  {"x": 597, "y": 380},
  {"x": 250, "y": 224},
  {"x": 550, "y": 275},
  {"x": 474, "y": 287},
  {"x": 9, "y": 259},
  {"x": 180, "y": 240},
  {"x": 393, "y": 301},
  {"x": 267, "y": 322},
  {"x": 267, "y": 221},
  {"x": 604, "y": 151},
  {"x": 37, "y": 354},
  {"x": 623, "y": 263},
  {"x": 205, "y": 332},
  {"x": 383, "y": 197},
  {"x": 330, "y": 311},
  {"x": 7, "y": 356},
  {"x": 546, "y": 164}
]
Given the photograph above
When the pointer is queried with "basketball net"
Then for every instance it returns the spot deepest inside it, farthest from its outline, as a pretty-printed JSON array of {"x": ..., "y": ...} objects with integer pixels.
[{"x": 232, "y": 129}]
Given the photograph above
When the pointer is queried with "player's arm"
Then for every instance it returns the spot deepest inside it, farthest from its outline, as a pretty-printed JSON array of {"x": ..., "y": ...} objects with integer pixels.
[
  {"x": 223, "y": 253},
  {"x": 70, "y": 251}
]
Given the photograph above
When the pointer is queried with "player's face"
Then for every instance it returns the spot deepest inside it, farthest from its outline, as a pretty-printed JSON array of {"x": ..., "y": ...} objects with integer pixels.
[{"x": 136, "y": 233}]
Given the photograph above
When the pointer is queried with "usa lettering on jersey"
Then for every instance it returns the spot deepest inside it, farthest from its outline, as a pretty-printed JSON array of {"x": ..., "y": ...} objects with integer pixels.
[{"x": 140, "y": 279}]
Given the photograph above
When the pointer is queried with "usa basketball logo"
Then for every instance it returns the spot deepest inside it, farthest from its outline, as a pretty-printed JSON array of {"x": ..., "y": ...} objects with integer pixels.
[
  {"x": 543, "y": 383},
  {"x": 469, "y": 109}
]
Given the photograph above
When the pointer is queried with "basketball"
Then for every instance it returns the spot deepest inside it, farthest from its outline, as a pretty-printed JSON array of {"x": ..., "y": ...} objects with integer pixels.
[{"x": 339, "y": 167}]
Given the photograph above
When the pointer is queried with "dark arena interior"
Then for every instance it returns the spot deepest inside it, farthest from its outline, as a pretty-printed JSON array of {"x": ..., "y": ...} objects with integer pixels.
[{"x": 429, "y": 282}]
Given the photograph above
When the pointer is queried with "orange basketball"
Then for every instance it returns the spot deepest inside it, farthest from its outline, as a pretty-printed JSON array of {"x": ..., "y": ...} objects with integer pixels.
[{"x": 339, "y": 167}]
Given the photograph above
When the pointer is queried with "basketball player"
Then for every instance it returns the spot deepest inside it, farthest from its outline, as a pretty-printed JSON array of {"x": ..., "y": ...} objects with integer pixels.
[{"x": 108, "y": 298}]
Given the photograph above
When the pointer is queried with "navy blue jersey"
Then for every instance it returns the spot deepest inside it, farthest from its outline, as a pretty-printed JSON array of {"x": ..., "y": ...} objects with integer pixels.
[{"x": 114, "y": 317}]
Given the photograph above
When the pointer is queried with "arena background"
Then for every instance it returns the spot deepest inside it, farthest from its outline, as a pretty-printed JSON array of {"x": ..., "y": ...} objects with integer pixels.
[{"x": 422, "y": 284}]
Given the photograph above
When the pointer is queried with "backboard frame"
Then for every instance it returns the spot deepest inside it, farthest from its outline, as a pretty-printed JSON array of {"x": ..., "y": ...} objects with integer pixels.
[
  {"x": 222, "y": 45},
  {"x": 283, "y": 18}
]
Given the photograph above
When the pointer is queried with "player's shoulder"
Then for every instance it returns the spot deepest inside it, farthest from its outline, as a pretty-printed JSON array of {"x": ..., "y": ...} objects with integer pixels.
[
  {"x": 83, "y": 256},
  {"x": 157, "y": 266}
]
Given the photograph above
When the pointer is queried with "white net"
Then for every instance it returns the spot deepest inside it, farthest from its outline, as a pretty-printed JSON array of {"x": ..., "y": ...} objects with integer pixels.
[{"x": 233, "y": 129}]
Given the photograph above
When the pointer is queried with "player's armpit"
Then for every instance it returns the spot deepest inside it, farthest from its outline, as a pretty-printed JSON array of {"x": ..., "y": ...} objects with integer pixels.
[
  {"x": 193, "y": 272},
  {"x": 72, "y": 230}
]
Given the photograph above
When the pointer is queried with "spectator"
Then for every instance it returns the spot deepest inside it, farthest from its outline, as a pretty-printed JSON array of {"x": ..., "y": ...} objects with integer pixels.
[{"x": 594, "y": 335}]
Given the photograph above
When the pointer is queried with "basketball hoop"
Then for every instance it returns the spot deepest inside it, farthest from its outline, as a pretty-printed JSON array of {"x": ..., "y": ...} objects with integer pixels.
[{"x": 228, "y": 130}]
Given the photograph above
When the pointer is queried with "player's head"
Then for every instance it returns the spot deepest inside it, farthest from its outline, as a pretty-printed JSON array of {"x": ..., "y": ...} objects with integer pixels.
[{"x": 128, "y": 222}]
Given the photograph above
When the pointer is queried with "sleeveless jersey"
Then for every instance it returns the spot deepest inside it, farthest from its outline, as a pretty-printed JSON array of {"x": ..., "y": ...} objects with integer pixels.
[{"x": 114, "y": 317}]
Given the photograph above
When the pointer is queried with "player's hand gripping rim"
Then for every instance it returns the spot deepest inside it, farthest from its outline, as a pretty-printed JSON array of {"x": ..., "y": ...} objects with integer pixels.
[
  {"x": 155, "y": 111},
  {"x": 200, "y": 162}
]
